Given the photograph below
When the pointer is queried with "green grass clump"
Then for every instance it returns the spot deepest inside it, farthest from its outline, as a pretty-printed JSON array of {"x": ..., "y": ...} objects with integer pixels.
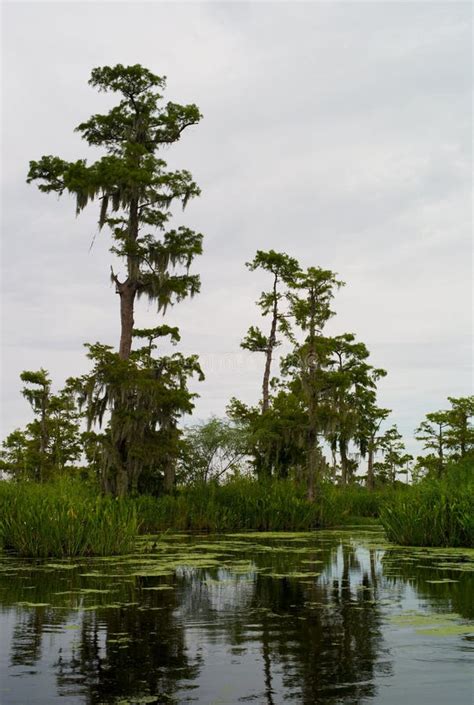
[
  {"x": 64, "y": 519},
  {"x": 341, "y": 505},
  {"x": 249, "y": 504},
  {"x": 241, "y": 504},
  {"x": 435, "y": 512}
]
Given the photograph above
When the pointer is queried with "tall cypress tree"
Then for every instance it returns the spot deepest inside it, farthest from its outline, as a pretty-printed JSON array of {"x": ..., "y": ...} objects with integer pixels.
[
  {"x": 135, "y": 189},
  {"x": 284, "y": 270},
  {"x": 310, "y": 305}
]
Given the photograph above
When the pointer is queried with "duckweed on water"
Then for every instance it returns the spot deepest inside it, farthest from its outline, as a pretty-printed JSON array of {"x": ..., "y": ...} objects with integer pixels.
[
  {"x": 305, "y": 593},
  {"x": 434, "y": 624},
  {"x": 443, "y": 580}
]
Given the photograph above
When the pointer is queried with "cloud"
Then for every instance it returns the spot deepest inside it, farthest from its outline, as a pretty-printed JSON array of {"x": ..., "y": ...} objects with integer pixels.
[{"x": 338, "y": 132}]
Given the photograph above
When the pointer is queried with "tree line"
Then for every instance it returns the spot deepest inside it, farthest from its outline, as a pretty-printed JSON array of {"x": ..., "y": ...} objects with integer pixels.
[{"x": 320, "y": 403}]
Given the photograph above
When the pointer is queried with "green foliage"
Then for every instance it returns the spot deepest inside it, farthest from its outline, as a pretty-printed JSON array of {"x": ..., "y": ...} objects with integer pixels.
[
  {"x": 212, "y": 450},
  {"x": 134, "y": 187},
  {"x": 435, "y": 512},
  {"x": 352, "y": 384},
  {"x": 64, "y": 519},
  {"x": 310, "y": 298},
  {"x": 345, "y": 504},
  {"x": 395, "y": 459},
  {"x": 431, "y": 432},
  {"x": 327, "y": 389},
  {"x": 460, "y": 432},
  {"x": 146, "y": 396},
  {"x": 261, "y": 505},
  {"x": 447, "y": 434},
  {"x": 368, "y": 436},
  {"x": 18, "y": 456},
  {"x": 52, "y": 442},
  {"x": 256, "y": 341},
  {"x": 284, "y": 270},
  {"x": 240, "y": 504},
  {"x": 275, "y": 438}
]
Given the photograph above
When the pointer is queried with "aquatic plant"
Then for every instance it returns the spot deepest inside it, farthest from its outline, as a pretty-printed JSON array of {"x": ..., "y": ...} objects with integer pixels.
[
  {"x": 433, "y": 513},
  {"x": 64, "y": 519},
  {"x": 250, "y": 504},
  {"x": 340, "y": 505},
  {"x": 243, "y": 503}
]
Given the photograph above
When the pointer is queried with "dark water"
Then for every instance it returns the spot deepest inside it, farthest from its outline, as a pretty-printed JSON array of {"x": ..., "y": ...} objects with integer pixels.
[{"x": 327, "y": 617}]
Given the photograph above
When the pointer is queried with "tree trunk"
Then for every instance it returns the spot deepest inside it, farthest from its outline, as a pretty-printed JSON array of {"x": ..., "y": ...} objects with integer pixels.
[
  {"x": 128, "y": 289},
  {"x": 314, "y": 464},
  {"x": 105, "y": 481},
  {"x": 312, "y": 480},
  {"x": 44, "y": 436},
  {"x": 343, "y": 454},
  {"x": 440, "y": 454},
  {"x": 127, "y": 293},
  {"x": 370, "y": 468},
  {"x": 121, "y": 482},
  {"x": 170, "y": 475},
  {"x": 269, "y": 352}
]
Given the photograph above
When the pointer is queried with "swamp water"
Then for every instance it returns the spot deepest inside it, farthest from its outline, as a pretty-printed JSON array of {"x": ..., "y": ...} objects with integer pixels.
[{"x": 323, "y": 617}]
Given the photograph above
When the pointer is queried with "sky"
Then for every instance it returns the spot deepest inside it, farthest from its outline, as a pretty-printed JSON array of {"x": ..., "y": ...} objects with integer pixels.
[{"x": 339, "y": 133}]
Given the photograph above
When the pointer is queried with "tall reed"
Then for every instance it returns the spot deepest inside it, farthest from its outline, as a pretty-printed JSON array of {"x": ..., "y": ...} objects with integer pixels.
[
  {"x": 248, "y": 504},
  {"x": 434, "y": 513},
  {"x": 235, "y": 506},
  {"x": 64, "y": 519}
]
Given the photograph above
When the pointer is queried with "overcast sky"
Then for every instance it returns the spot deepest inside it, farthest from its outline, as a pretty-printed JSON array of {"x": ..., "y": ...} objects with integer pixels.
[{"x": 337, "y": 132}]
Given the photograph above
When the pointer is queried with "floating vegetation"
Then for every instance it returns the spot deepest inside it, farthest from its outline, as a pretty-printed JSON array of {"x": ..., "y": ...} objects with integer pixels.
[
  {"x": 304, "y": 589},
  {"x": 140, "y": 700},
  {"x": 448, "y": 624},
  {"x": 447, "y": 630},
  {"x": 442, "y": 581},
  {"x": 281, "y": 535},
  {"x": 94, "y": 591},
  {"x": 293, "y": 574}
]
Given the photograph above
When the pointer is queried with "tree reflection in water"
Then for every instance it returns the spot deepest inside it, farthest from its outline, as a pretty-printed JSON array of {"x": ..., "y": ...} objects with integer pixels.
[{"x": 294, "y": 624}]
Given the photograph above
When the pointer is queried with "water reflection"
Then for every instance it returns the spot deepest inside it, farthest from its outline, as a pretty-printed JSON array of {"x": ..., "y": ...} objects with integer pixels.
[
  {"x": 301, "y": 619},
  {"x": 443, "y": 577}
]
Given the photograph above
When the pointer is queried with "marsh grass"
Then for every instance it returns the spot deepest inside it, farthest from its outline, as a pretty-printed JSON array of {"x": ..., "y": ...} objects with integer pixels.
[
  {"x": 352, "y": 504},
  {"x": 430, "y": 516},
  {"x": 435, "y": 512},
  {"x": 242, "y": 504},
  {"x": 70, "y": 518},
  {"x": 248, "y": 504},
  {"x": 64, "y": 519}
]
